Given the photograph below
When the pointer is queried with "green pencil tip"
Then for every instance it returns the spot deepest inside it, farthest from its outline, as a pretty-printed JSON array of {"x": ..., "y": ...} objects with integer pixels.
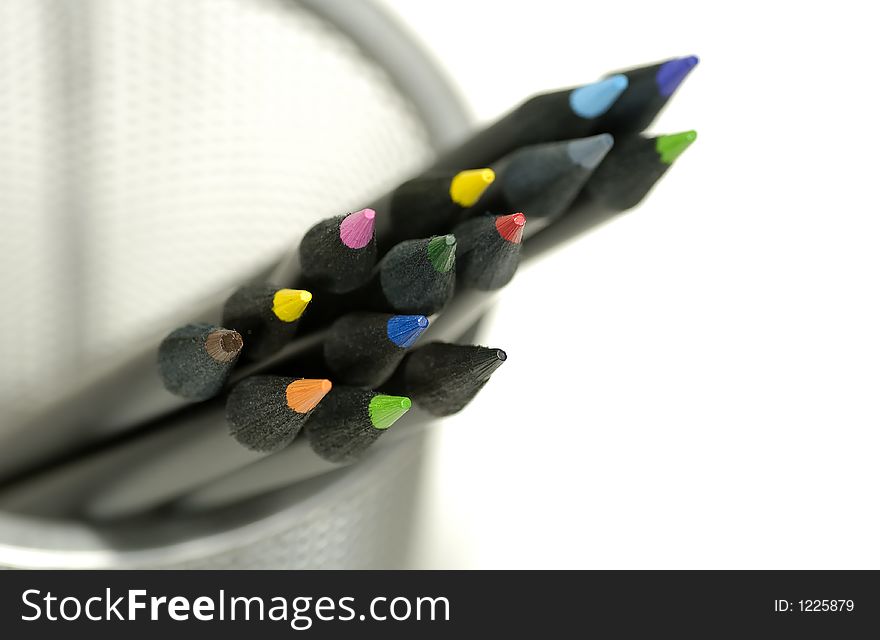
[
  {"x": 441, "y": 252},
  {"x": 671, "y": 146},
  {"x": 386, "y": 410}
]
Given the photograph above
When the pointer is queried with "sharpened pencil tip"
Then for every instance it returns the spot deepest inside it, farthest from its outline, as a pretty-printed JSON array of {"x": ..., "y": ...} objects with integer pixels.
[
  {"x": 304, "y": 395},
  {"x": 356, "y": 229},
  {"x": 386, "y": 410},
  {"x": 593, "y": 100},
  {"x": 468, "y": 186},
  {"x": 223, "y": 345},
  {"x": 672, "y": 73},
  {"x": 441, "y": 252},
  {"x": 671, "y": 146},
  {"x": 405, "y": 330},
  {"x": 487, "y": 362},
  {"x": 588, "y": 152},
  {"x": 289, "y": 304},
  {"x": 510, "y": 227}
]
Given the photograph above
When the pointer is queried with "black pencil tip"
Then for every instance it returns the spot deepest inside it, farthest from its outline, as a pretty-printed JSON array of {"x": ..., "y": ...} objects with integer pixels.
[{"x": 487, "y": 362}]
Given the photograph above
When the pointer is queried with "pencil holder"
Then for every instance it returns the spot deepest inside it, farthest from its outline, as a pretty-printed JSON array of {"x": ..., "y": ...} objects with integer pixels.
[{"x": 158, "y": 151}]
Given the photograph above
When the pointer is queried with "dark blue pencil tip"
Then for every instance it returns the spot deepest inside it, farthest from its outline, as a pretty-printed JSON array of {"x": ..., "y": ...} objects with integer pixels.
[
  {"x": 593, "y": 100},
  {"x": 672, "y": 73},
  {"x": 405, "y": 330}
]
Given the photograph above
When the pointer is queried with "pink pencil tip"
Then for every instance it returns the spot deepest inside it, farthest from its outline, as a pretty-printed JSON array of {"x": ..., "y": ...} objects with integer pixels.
[{"x": 356, "y": 230}]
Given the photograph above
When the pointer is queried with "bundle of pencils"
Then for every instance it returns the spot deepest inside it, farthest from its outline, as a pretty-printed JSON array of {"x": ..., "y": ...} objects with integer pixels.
[{"x": 307, "y": 367}]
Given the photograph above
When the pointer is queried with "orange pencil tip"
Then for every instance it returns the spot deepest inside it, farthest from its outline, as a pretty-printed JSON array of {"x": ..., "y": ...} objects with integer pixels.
[{"x": 305, "y": 394}]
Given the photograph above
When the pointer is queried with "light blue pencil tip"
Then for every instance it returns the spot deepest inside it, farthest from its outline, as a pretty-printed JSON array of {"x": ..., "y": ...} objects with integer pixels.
[
  {"x": 405, "y": 330},
  {"x": 593, "y": 100},
  {"x": 588, "y": 152}
]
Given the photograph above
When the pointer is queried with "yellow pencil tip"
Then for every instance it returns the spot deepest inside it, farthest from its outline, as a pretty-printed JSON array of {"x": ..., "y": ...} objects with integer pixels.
[
  {"x": 468, "y": 186},
  {"x": 288, "y": 304}
]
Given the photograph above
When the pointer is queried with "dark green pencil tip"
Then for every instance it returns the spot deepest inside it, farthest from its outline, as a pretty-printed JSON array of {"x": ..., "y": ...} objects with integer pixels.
[
  {"x": 386, "y": 410},
  {"x": 673, "y": 145},
  {"x": 441, "y": 252}
]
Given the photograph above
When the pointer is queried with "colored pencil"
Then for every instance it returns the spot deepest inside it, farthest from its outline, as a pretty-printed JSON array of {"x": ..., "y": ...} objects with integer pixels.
[
  {"x": 489, "y": 250},
  {"x": 265, "y": 413},
  {"x": 195, "y": 360},
  {"x": 338, "y": 254},
  {"x": 622, "y": 103},
  {"x": 543, "y": 179},
  {"x": 113, "y": 397},
  {"x": 648, "y": 90},
  {"x": 363, "y": 349},
  {"x": 267, "y": 317},
  {"x": 350, "y": 421},
  {"x": 620, "y": 182},
  {"x": 418, "y": 276},
  {"x": 342, "y": 430},
  {"x": 443, "y": 378},
  {"x": 431, "y": 204},
  {"x": 633, "y": 169}
]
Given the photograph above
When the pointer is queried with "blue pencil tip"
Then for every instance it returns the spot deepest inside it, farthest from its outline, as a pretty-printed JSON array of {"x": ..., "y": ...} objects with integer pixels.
[
  {"x": 593, "y": 100},
  {"x": 405, "y": 330},
  {"x": 588, "y": 152},
  {"x": 672, "y": 73}
]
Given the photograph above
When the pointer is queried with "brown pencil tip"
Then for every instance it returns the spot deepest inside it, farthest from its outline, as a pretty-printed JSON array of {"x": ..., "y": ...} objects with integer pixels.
[{"x": 223, "y": 345}]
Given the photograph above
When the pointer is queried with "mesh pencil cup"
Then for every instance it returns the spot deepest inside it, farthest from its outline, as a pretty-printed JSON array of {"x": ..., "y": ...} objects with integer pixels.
[{"x": 155, "y": 151}]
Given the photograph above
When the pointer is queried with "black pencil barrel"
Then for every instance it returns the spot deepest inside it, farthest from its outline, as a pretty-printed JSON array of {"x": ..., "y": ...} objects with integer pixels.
[
  {"x": 250, "y": 312},
  {"x": 443, "y": 378},
  {"x": 363, "y": 349},
  {"x": 329, "y": 264}
]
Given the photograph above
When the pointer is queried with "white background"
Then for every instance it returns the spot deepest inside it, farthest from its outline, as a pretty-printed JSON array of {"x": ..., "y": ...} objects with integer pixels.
[{"x": 695, "y": 384}]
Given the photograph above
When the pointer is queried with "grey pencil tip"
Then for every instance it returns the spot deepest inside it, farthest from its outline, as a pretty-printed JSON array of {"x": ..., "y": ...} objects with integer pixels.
[{"x": 588, "y": 152}]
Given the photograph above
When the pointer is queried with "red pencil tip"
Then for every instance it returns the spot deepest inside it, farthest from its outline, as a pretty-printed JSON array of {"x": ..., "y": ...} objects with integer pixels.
[{"x": 511, "y": 227}]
